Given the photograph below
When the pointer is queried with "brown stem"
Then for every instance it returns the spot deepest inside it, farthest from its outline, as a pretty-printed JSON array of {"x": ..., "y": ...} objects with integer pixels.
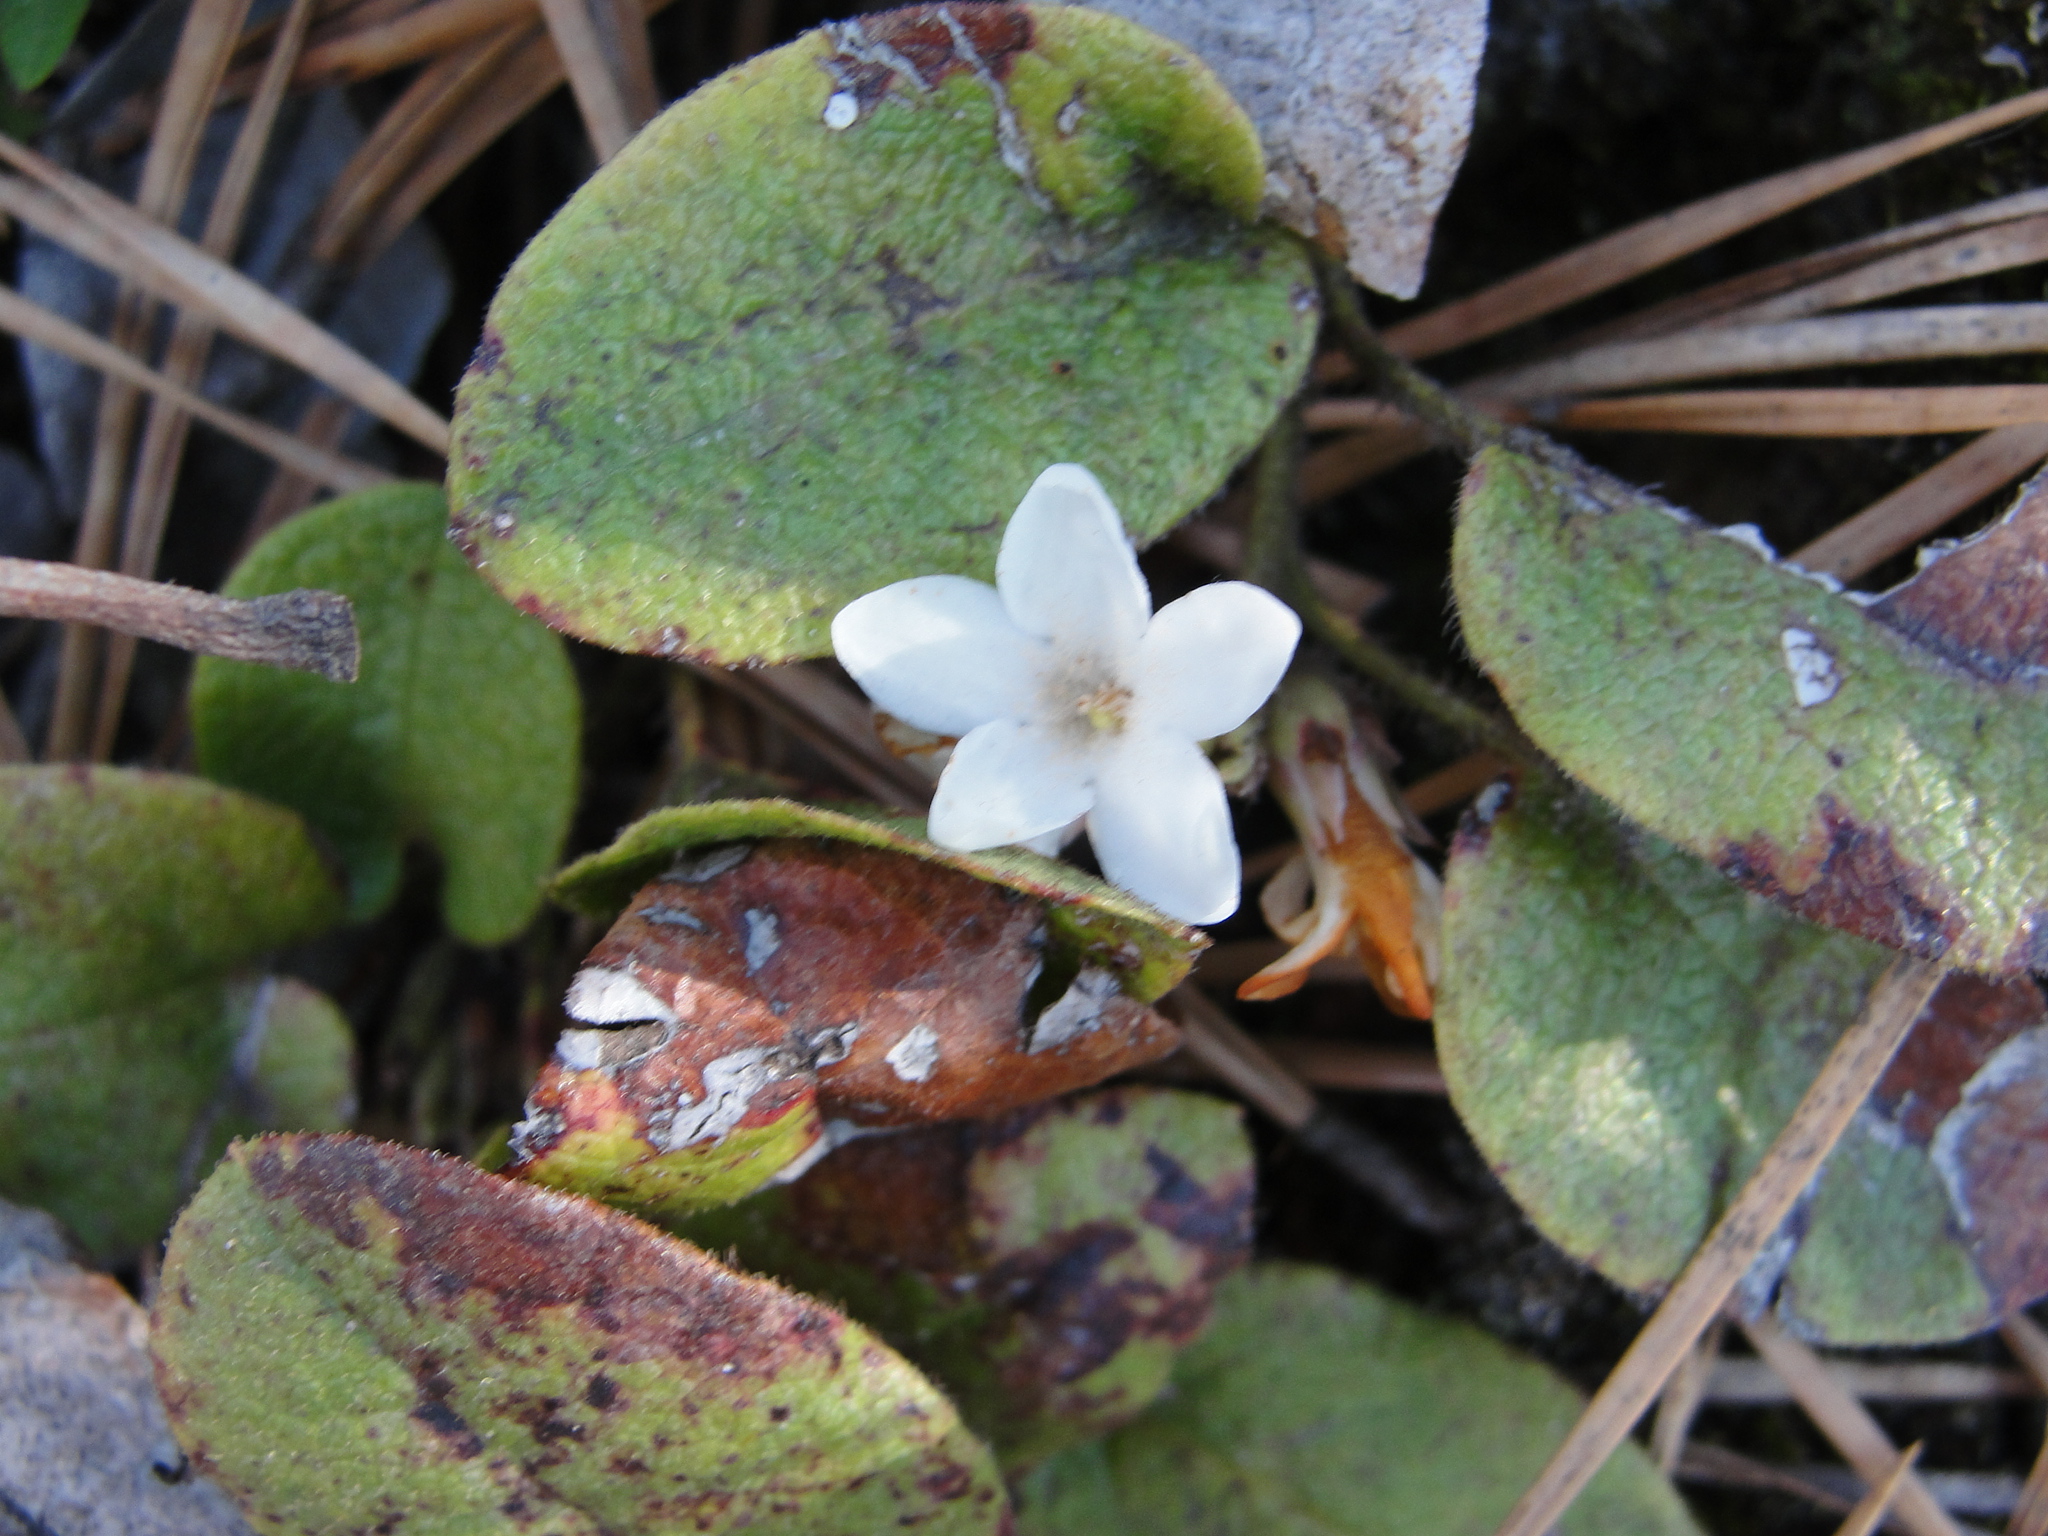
[{"x": 303, "y": 630}]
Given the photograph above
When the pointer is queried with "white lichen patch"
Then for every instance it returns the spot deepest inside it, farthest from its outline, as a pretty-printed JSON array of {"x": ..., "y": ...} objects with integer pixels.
[
  {"x": 842, "y": 111},
  {"x": 730, "y": 1084},
  {"x": 764, "y": 937},
  {"x": 1078, "y": 1011},
  {"x": 2021, "y": 1060},
  {"x": 837, "y": 1134},
  {"x": 1814, "y": 678},
  {"x": 580, "y": 1050},
  {"x": 602, "y": 995},
  {"x": 1750, "y": 537},
  {"x": 916, "y": 1056},
  {"x": 1490, "y": 801},
  {"x": 698, "y": 868}
]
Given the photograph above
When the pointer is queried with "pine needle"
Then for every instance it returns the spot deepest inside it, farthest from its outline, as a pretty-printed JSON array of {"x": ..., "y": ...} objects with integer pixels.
[
  {"x": 1809, "y": 412},
  {"x": 102, "y": 229},
  {"x": 1849, "y": 1427},
  {"x": 1651, "y": 243}
]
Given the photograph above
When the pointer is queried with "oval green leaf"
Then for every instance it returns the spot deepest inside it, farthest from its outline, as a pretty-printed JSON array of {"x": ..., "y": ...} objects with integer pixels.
[
  {"x": 1100, "y": 924},
  {"x": 1872, "y": 766},
  {"x": 1316, "y": 1406},
  {"x": 35, "y": 35},
  {"x": 820, "y": 326},
  {"x": 1624, "y": 1033},
  {"x": 129, "y": 900},
  {"x": 472, "y": 1355},
  {"x": 462, "y": 729},
  {"x": 1045, "y": 1267}
]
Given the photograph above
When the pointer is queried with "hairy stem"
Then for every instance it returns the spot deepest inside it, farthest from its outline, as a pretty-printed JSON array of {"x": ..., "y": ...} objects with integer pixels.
[
  {"x": 1392, "y": 378},
  {"x": 1273, "y": 558}
]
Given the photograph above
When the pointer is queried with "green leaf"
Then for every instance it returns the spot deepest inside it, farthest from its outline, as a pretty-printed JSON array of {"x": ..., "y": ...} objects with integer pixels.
[
  {"x": 759, "y": 365},
  {"x": 1045, "y": 1267},
  {"x": 293, "y": 1067},
  {"x": 35, "y": 35},
  {"x": 465, "y": 1354},
  {"x": 129, "y": 900},
  {"x": 1874, "y": 767},
  {"x": 462, "y": 729},
  {"x": 1317, "y": 1406},
  {"x": 1102, "y": 925},
  {"x": 1624, "y": 1032}
]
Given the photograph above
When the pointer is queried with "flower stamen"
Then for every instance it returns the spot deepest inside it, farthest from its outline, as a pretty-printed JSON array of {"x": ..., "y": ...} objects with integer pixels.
[{"x": 1106, "y": 709}]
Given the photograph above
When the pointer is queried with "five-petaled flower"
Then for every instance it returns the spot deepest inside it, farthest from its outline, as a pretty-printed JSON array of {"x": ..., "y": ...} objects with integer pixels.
[{"x": 1072, "y": 698}]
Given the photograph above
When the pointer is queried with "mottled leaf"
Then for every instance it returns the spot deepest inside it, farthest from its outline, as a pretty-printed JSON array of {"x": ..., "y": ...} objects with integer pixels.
[
  {"x": 35, "y": 35},
  {"x": 1150, "y": 952},
  {"x": 819, "y": 327},
  {"x": 1624, "y": 1032},
  {"x": 1045, "y": 1267},
  {"x": 461, "y": 731},
  {"x": 469, "y": 1354},
  {"x": 1365, "y": 107},
  {"x": 760, "y": 989},
  {"x": 84, "y": 1445},
  {"x": 128, "y": 901},
  {"x": 1873, "y": 766},
  {"x": 1316, "y": 1406}
]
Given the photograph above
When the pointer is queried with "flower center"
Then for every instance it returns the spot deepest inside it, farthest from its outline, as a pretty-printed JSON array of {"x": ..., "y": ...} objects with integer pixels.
[{"x": 1106, "y": 708}]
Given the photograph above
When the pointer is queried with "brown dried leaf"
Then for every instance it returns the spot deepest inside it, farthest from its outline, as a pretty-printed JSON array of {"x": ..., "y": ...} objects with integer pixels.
[
  {"x": 1364, "y": 106},
  {"x": 767, "y": 986},
  {"x": 1983, "y": 604}
]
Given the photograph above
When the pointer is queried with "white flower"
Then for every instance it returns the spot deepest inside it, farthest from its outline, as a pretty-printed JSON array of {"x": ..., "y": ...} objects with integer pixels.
[{"x": 1072, "y": 698}]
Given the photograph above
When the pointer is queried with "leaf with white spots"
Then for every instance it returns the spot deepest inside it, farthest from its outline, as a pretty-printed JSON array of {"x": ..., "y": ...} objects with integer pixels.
[
  {"x": 1045, "y": 1266},
  {"x": 1873, "y": 764},
  {"x": 1624, "y": 1033},
  {"x": 468, "y": 1355},
  {"x": 822, "y": 323},
  {"x": 757, "y": 994},
  {"x": 1364, "y": 106}
]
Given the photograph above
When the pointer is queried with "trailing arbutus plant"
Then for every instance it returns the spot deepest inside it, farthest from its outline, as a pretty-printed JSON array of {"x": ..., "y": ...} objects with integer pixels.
[{"x": 868, "y": 1170}]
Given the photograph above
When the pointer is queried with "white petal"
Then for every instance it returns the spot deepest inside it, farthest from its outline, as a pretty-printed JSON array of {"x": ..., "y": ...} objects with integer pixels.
[
  {"x": 1066, "y": 570},
  {"x": 1006, "y": 783},
  {"x": 1211, "y": 658},
  {"x": 939, "y": 652},
  {"x": 1049, "y": 844},
  {"x": 1161, "y": 828}
]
